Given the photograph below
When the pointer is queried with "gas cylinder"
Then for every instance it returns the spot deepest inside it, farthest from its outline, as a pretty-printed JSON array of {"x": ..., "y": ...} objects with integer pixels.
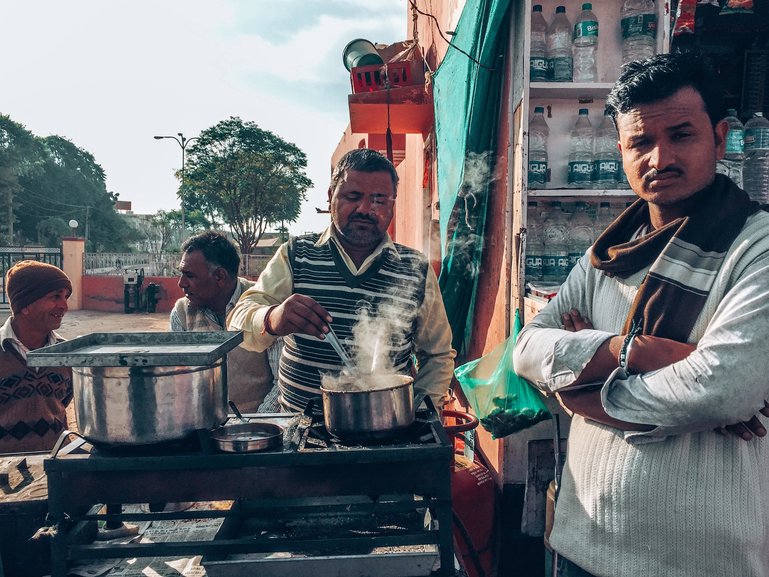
[{"x": 473, "y": 501}]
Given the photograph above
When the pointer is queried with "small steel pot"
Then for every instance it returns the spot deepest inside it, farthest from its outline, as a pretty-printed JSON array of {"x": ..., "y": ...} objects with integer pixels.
[{"x": 351, "y": 411}]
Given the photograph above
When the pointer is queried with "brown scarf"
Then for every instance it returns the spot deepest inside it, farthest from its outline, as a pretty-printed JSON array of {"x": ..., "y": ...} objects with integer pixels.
[{"x": 685, "y": 256}]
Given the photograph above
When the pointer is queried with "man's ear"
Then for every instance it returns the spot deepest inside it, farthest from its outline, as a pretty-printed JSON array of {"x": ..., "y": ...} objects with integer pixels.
[
  {"x": 719, "y": 133},
  {"x": 221, "y": 276}
]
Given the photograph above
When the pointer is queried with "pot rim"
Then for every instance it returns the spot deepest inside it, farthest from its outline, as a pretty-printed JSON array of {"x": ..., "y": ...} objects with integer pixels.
[{"x": 406, "y": 381}]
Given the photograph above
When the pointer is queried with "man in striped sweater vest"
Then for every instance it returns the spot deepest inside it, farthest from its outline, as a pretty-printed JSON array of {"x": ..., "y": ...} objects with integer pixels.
[
  {"x": 657, "y": 343},
  {"x": 350, "y": 271},
  {"x": 33, "y": 400}
]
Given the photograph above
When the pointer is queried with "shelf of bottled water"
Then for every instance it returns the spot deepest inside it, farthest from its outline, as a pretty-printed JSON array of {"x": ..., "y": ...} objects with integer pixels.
[
  {"x": 558, "y": 233},
  {"x": 573, "y": 152},
  {"x": 585, "y": 43}
]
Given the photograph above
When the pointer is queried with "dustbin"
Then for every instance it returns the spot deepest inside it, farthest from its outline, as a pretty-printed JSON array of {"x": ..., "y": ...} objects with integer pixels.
[{"x": 152, "y": 294}]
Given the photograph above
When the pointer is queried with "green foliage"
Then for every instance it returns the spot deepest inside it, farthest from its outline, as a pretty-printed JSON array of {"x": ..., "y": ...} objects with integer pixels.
[
  {"x": 46, "y": 182},
  {"x": 246, "y": 176}
]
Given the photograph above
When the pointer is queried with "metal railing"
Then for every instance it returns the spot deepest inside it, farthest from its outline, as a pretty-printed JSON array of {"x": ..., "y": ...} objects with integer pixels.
[{"x": 115, "y": 263}]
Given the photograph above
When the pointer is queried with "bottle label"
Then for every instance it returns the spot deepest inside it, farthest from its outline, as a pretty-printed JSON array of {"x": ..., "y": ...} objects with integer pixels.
[
  {"x": 562, "y": 67},
  {"x": 586, "y": 28},
  {"x": 537, "y": 68},
  {"x": 605, "y": 169},
  {"x": 534, "y": 266},
  {"x": 735, "y": 142},
  {"x": 580, "y": 172},
  {"x": 562, "y": 266},
  {"x": 537, "y": 172},
  {"x": 639, "y": 25},
  {"x": 756, "y": 138}
]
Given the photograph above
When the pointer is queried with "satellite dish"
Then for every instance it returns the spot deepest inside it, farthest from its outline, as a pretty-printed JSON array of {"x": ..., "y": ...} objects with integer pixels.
[{"x": 73, "y": 223}]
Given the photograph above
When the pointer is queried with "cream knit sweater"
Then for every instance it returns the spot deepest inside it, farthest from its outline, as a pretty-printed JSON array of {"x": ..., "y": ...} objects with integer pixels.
[{"x": 680, "y": 500}]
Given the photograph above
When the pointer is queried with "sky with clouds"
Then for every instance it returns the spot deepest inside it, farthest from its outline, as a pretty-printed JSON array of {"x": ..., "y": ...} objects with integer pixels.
[{"x": 109, "y": 75}]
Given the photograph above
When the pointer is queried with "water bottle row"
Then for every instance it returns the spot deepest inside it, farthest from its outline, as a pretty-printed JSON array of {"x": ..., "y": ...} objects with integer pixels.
[
  {"x": 594, "y": 159},
  {"x": 558, "y": 235},
  {"x": 562, "y": 53},
  {"x": 746, "y": 160}
]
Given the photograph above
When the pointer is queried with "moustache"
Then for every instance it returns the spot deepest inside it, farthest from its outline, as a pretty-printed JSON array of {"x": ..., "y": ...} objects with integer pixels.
[
  {"x": 363, "y": 218},
  {"x": 653, "y": 173}
]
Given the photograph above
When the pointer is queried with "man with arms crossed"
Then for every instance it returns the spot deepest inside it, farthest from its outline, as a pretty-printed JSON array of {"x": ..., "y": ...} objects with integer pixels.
[{"x": 656, "y": 341}]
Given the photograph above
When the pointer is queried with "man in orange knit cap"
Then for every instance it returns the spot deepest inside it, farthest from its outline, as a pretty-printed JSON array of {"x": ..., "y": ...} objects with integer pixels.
[{"x": 33, "y": 400}]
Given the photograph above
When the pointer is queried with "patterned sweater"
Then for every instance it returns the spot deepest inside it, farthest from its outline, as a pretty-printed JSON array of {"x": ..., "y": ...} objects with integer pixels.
[{"x": 33, "y": 401}]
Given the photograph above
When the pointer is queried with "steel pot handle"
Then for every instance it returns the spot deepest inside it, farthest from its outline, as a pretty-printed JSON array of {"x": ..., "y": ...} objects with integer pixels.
[
  {"x": 470, "y": 421},
  {"x": 62, "y": 438}
]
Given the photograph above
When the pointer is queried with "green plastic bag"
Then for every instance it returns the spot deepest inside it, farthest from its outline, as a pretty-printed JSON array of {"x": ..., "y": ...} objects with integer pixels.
[{"x": 503, "y": 402}]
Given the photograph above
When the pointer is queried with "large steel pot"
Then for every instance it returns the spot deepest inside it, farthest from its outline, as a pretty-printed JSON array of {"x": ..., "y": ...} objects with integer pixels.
[
  {"x": 352, "y": 410},
  {"x": 145, "y": 405}
]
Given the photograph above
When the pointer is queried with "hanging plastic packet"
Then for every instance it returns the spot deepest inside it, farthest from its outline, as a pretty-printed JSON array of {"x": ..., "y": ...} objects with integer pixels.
[
  {"x": 503, "y": 402},
  {"x": 685, "y": 17},
  {"x": 736, "y": 7}
]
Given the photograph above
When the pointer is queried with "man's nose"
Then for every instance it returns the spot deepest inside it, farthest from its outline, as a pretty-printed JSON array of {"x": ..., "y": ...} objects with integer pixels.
[
  {"x": 662, "y": 156},
  {"x": 182, "y": 281},
  {"x": 366, "y": 205}
]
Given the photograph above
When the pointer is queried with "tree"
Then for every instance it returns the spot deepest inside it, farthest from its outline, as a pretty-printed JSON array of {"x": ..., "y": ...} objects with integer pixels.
[
  {"x": 247, "y": 176},
  {"x": 68, "y": 183},
  {"x": 20, "y": 155}
]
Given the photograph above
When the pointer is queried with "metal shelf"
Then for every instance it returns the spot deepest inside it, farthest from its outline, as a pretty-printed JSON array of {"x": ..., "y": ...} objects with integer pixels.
[
  {"x": 570, "y": 90},
  {"x": 587, "y": 192}
]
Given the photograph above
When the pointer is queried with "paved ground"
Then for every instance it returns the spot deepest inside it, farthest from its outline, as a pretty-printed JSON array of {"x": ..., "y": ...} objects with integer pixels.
[{"x": 78, "y": 323}]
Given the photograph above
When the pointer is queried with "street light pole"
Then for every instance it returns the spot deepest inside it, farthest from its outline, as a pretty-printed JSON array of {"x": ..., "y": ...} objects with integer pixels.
[{"x": 182, "y": 142}]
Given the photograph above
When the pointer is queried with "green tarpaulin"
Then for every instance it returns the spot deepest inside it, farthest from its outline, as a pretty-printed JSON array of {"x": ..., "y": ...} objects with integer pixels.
[{"x": 467, "y": 93}]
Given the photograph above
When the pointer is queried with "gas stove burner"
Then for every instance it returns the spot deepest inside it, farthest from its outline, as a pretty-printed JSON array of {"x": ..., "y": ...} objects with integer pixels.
[
  {"x": 191, "y": 444},
  {"x": 314, "y": 436}
]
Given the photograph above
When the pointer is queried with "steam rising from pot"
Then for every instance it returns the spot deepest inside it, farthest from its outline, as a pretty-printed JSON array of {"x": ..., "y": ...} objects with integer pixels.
[{"x": 372, "y": 347}]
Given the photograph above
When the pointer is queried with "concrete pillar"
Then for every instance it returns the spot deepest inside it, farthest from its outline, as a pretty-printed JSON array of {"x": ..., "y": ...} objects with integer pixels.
[{"x": 72, "y": 256}]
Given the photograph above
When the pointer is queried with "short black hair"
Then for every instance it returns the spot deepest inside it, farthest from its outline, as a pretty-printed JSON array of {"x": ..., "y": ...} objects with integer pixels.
[
  {"x": 363, "y": 160},
  {"x": 660, "y": 77},
  {"x": 218, "y": 250}
]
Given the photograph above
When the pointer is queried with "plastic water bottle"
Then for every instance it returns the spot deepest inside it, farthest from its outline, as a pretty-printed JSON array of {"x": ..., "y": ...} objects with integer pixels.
[
  {"x": 581, "y": 151},
  {"x": 538, "y": 133},
  {"x": 604, "y": 216},
  {"x": 755, "y": 170},
  {"x": 538, "y": 48},
  {"x": 555, "y": 265},
  {"x": 606, "y": 160},
  {"x": 534, "y": 244},
  {"x": 580, "y": 230},
  {"x": 731, "y": 164},
  {"x": 559, "y": 46},
  {"x": 639, "y": 30},
  {"x": 585, "y": 45},
  {"x": 621, "y": 176}
]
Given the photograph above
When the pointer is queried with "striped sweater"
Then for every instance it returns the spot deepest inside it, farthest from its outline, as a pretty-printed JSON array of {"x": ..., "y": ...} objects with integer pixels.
[{"x": 394, "y": 283}]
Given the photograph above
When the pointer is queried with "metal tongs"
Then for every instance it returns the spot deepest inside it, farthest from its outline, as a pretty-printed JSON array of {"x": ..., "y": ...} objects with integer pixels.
[{"x": 333, "y": 340}]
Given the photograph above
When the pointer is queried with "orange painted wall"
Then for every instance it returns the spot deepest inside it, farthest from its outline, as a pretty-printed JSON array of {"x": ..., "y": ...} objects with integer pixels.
[{"x": 106, "y": 293}]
